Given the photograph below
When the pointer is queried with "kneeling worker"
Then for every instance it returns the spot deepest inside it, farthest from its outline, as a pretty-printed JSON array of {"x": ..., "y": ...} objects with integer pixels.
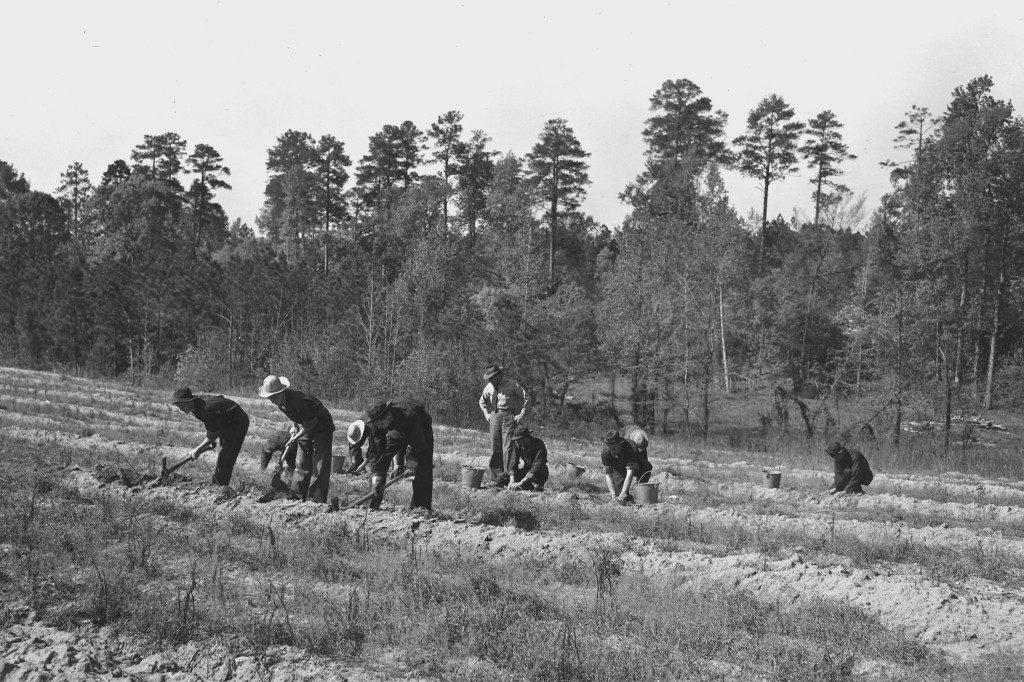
[
  {"x": 224, "y": 419},
  {"x": 529, "y": 460},
  {"x": 624, "y": 461},
  {"x": 403, "y": 431},
  {"x": 850, "y": 468}
]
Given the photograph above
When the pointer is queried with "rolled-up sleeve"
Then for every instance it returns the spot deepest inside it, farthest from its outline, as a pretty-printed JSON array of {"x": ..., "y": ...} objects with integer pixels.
[
  {"x": 524, "y": 396},
  {"x": 606, "y": 460}
]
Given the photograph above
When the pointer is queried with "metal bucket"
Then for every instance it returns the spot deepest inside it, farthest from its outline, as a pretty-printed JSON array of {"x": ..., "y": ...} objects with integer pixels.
[
  {"x": 338, "y": 464},
  {"x": 773, "y": 479},
  {"x": 646, "y": 493},
  {"x": 573, "y": 471},
  {"x": 472, "y": 477}
]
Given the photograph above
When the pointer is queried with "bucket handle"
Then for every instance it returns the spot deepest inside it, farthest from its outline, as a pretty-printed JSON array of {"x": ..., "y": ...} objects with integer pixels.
[{"x": 640, "y": 479}]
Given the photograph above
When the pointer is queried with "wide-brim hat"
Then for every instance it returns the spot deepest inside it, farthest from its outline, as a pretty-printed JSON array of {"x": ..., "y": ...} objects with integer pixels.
[
  {"x": 273, "y": 384},
  {"x": 182, "y": 395},
  {"x": 355, "y": 431},
  {"x": 518, "y": 432},
  {"x": 491, "y": 370},
  {"x": 612, "y": 436},
  {"x": 374, "y": 412}
]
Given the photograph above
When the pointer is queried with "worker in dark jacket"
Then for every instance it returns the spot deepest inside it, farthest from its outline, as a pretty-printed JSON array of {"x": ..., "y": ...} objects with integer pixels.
[
  {"x": 624, "y": 461},
  {"x": 401, "y": 431},
  {"x": 225, "y": 420},
  {"x": 313, "y": 432},
  {"x": 851, "y": 469},
  {"x": 529, "y": 460}
]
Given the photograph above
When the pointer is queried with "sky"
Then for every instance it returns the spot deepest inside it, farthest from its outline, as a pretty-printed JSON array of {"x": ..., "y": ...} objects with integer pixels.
[{"x": 86, "y": 81}]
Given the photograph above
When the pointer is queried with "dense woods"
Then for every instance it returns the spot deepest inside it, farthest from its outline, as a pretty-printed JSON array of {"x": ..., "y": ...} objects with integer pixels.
[{"x": 409, "y": 269}]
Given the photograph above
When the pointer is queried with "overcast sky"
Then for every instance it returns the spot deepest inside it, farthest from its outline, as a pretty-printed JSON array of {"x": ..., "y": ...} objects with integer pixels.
[{"x": 85, "y": 81}]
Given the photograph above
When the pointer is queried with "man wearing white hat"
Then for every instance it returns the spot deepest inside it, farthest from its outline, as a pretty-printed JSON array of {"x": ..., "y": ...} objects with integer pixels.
[{"x": 314, "y": 433}]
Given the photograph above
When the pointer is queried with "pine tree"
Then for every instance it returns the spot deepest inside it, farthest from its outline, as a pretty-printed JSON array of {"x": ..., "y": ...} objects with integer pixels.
[
  {"x": 558, "y": 169},
  {"x": 824, "y": 150}
]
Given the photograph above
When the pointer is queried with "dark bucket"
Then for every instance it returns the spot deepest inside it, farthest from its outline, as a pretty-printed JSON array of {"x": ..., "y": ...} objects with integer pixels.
[
  {"x": 773, "y": 479},
  {"x": 337, "y": 463},
  {"x": 472, "y": 477},
  {"x": 573, "y": 471},
  {"x": 646, "y": 493}
]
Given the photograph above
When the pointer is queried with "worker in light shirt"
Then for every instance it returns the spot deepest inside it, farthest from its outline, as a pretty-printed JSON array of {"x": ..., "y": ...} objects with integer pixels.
[{"x": 503, "y": 402}]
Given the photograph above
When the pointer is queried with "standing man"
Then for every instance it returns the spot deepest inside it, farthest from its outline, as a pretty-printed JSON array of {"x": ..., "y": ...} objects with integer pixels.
[
  {"x": 223, "y": 419},
  {"x": 313, "y": 431},
  {"x": 850, "y": 468},
  {"x": 624, "y": 461},
  {"x": 530, "y": 460},
  {"x": 401, "y": 430},
  {"x": 503, "y": 403}
]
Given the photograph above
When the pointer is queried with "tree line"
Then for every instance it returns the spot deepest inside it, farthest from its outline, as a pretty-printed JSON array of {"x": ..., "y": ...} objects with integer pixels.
[{"x": 433, "y": 255}]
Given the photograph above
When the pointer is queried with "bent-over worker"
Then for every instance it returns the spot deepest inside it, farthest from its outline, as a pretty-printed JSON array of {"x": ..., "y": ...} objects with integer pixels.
[
  {"x": 224, "y": 419},
  {"x": 313, "y": 432},
  {"x": 625, "y": 461},
  {"x": 529, "y": 460},
  {"x": 503, "y": 402},
  {"x": 401, "y": 430},
  {"x": 850, "y": 468}
]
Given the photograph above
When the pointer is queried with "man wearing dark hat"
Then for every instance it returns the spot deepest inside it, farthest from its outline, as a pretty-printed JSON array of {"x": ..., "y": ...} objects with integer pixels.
[
  {"x": 503, "y": 402},
  {"x": 396, "y": 430},
  {"x": 313, "y": 432},
  {"x": 624, "y": 462},
  {"x": 529, "y": 460},
  {"x": 850, "y": 468},
  {"x": 224, "y": 419}
]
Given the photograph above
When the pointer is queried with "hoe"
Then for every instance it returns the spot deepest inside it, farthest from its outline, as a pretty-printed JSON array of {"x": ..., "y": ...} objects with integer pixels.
[
  {"x": 166, "y": 471},
  {"x": 369, "y": 496}
]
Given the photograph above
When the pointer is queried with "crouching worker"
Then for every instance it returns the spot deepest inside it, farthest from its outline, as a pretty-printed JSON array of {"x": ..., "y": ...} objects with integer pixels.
[
  {"x": 357, "y": 437},
  {"x": 529, "y": 460},
  {"x": 401, "y": 430},
  {"x": 313, "y": 431},
  {"x": 624, "y": 461},
  {"x": 851, "y": 469},
  {"x": 281, "y": 444},
  {"x": 224, "y": 419}
]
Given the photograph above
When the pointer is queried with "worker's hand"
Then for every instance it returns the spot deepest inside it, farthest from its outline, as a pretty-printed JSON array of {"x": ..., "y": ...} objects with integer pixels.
[
  {"x": 514, "y": 485},
  {"x": 833, "y": 491}
]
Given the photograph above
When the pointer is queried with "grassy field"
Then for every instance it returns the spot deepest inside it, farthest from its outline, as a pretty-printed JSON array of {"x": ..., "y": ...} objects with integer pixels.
[{"x": 104, "y": 574}]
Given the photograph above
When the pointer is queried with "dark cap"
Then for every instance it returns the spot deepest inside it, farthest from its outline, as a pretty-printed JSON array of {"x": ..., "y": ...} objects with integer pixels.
[
  {"x": 834, "y": 448},
  {"x": 612, "y": 436},
  {"x": 491, "y": 370},
  {"x": 182, "y": 395},
  {"x": 375, "y": 411},
  {"x": 520, "y": 431}
]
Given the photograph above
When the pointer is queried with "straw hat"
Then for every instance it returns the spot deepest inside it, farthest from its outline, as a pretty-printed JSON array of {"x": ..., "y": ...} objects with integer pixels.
[
  {"x": 490, "y": 371},
  {"x": 182, "y": 395},
  {"x": 273, "y": 384},
  {"x": 355, "y": 431}
]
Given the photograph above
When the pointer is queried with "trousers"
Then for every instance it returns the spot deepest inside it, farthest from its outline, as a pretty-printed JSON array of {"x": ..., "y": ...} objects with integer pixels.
[
  {"x": 501, "y": 463},
  {"x": 231, "y": 440}
]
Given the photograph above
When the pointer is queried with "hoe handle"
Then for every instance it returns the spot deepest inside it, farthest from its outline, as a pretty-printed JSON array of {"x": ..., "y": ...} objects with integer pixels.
[{"x": 369, "y": 496}]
